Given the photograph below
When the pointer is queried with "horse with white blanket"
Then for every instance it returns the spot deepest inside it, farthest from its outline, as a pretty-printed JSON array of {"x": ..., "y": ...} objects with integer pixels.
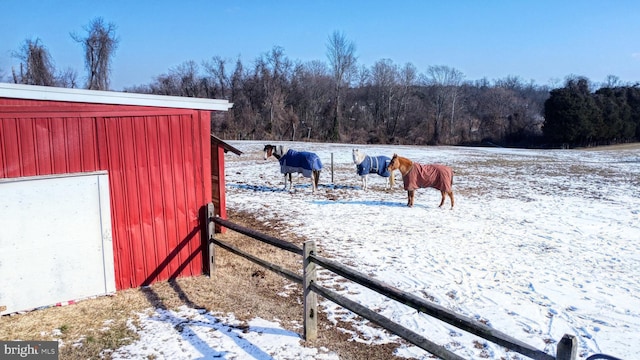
[{"x": 366, "y": 164}]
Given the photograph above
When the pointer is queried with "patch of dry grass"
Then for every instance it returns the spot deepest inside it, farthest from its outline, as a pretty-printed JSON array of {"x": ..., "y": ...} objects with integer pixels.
[
  {"x": 97, "y": 324},
  {"x": 630, "y": 146},
  {"x": 237, "y": 286}
]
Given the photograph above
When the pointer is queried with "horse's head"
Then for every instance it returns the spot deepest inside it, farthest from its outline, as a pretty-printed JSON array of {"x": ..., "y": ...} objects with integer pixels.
[
  {"x": 273, "y": 150},
  {"x": 358, "y": 156},
  {"x": 394, "y": 164},
  {"x": 268, "y": 151}
]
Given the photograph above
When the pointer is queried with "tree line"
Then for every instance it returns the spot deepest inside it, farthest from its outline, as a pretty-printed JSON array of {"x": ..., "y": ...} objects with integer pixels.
[
  {"x": 577, "y": 116},
  {"x": 278, "y": 98}
]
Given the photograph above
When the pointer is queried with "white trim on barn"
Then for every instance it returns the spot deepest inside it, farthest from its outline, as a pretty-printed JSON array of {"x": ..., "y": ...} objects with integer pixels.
[{"x": 34, "y": 92}]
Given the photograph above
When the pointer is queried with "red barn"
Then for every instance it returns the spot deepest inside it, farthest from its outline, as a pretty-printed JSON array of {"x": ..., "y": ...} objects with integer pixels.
[{"x": 60, "y": 147}]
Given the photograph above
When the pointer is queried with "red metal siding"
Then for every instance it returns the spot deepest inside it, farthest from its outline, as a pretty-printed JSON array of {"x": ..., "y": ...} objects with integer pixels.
[
  {"x": 40, "y": 146},
  {"x": 158, "y": 164}
]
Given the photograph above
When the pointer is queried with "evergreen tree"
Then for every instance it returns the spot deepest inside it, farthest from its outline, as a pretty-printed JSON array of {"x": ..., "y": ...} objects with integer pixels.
[{"x": 571, "y": 114}]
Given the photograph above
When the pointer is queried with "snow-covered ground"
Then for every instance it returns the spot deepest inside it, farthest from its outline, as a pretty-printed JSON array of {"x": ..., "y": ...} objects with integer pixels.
[
  {"x": 541, "y": 243},
  {"x": 187, "y": 334}
]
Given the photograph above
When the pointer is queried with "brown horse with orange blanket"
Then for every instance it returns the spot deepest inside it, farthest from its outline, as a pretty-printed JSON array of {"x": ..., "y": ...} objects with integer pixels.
[{"x": 416, "y": 176}]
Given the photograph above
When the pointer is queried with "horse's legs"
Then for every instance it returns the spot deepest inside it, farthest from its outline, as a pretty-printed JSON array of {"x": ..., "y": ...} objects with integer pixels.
[
  {"x": 364, "y": 182},
  {"x": 314, "y": 181},
  {"x": 392, "y": 180},
  {"x": 290, "y": 181},
  {"x": 410, "y": 194},
  {"x": 315, "y": 178},
  {"x": 442, "y": 193},
  {"x": 451, "y": 198}
]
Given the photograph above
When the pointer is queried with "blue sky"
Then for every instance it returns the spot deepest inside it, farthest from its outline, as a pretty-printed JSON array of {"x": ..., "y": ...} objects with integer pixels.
[{"x": 541, "y": 41}]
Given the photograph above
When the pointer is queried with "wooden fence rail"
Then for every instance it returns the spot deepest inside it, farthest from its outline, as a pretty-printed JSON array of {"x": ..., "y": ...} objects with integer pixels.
[
  {"x": 284, "y": 245},
  {"x": 436, "y": 311},
  {"x": 565, "y": 350},
  {"x": 386, "y": 323}
]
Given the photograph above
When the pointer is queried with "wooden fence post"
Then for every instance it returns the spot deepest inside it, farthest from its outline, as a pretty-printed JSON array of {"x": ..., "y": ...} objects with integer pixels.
[
  {"x": 211, "y": 230},
  {"x": 310, "y": 298},
  {"x": 567, "y": 348},
  {"x": 332, "y": 168}
]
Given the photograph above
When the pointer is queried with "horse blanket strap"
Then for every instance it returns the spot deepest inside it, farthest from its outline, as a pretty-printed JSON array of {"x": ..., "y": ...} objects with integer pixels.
[
  {"x": 300, "y": 162},
  {"x": 423, "y": 176},
  {"x": 374, "y": 165}
]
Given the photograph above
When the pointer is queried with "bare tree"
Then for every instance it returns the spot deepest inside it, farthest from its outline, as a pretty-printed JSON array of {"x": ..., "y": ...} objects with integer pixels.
[
  {"x": 36, "y": 67},
  {"x": 182, "y": 80},
  {"x": 99, "y": 48},
  {"x": 446, "y": 83},
  {"x": 165, "y": 84},
  {"x": 407, "y": 78},
  {"x": 363, "y": 76},
  {"x": 384, "y": 75},
  {"x": 612, "y": 81},
  {"x": 313, "y": 85},
  {"x": 342, "y": 58},
  {"x": 273, "y": 73},
  {"x": 242, "y": 112},
  {"x": 67, "y": 78},
  {"x": 494, "y": 111},
  {"x": 216, "y": 68},
  {"x": 186, "y": 75}
]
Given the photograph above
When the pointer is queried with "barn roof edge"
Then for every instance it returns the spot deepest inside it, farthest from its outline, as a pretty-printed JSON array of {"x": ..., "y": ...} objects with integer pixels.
[
  {"x": 36, "y": 92},
  {"x": 225, "y": 146}
]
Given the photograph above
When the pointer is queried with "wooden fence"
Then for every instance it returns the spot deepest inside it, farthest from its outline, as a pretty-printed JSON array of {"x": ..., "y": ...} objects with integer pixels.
[{"x": 566, "y": 349}]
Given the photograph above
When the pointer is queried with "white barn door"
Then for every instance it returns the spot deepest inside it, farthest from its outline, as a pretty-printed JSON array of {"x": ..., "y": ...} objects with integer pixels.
[{"x": 55, "y": 240}]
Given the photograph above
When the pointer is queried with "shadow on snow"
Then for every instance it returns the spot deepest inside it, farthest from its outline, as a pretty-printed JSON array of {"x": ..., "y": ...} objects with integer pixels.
[
  {"x": 264, "y": 188},
  {"x": 367, "y": 203}
]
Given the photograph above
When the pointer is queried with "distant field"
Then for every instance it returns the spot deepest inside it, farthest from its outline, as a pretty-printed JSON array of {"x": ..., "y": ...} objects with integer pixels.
[
  {"x": 540, "y": 243},
  {"x": 631, "y": 146}
]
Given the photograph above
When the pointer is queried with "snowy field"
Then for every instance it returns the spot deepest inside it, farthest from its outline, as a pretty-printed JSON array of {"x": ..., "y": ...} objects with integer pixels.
[{"x": 539, "y": 244}]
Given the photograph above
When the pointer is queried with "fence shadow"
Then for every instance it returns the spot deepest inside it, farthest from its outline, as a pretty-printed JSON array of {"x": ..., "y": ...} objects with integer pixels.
[
  {"x": 182, "y": 325},
  {"x": 257, "y": 188},
  {"x": 367, "y": 203},
  {"x": 265, "y": 188}
]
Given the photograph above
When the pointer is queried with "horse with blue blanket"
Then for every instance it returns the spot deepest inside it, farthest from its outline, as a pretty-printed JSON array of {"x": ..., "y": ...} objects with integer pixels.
[
  {"x": 366, "y": 165},
  {"x": 291, "y": 161}
]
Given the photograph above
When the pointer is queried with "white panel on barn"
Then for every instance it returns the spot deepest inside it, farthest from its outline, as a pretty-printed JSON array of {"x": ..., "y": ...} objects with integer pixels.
[{"x": 55, "y": 240}]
